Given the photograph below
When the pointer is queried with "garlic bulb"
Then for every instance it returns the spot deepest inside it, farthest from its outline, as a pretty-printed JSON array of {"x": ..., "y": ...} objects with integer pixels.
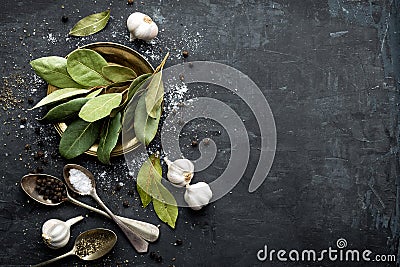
[
  {"x": 180, "y": 172},
  {"x": 198, "y": 195},
  {"x": 56, "y": 233},
  {"x": 141, "y": 26}
]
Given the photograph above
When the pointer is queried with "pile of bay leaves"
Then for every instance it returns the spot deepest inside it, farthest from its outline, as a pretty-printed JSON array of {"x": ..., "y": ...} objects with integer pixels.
[{"x": 92, "y": 97}]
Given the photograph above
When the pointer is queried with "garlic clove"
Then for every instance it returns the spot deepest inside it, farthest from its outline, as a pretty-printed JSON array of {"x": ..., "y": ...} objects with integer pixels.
[
  {"x": 56, "y": 233},
  {"x": 180, "y": 172},
  {"x": 141, "y": 26},
  {"x": 198, "y": 195}
]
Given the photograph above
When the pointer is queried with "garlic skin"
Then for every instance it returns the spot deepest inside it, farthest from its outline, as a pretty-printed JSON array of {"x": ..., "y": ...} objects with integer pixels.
[
  {"x": 180, "y": 172},
  {"x": 56, "y": 233},
  {"x": 198, "y": 195},
  {"x": 141, "y": 27}
]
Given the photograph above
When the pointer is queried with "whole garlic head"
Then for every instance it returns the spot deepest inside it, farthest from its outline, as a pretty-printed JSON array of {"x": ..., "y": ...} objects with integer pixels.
[
  {"x": 198, "y": 195},
  {"x": 180, "y": 172},
  {"x": 141, "y": 27},
  {"x": 56, "y": 233}
]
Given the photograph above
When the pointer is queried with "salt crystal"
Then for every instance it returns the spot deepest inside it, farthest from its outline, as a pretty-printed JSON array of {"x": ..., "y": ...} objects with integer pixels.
[{"x": 80, "y": 181}]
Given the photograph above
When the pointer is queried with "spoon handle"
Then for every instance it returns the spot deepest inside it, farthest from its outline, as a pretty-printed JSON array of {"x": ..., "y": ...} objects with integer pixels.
[
  {"x": 136, "y": 241},
  {"x": 148, "y": 231},
  {"x": 72, "y": 252}
]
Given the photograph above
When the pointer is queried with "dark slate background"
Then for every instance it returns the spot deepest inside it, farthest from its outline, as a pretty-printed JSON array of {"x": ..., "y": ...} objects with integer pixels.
[{"x": 329, "y": 70}]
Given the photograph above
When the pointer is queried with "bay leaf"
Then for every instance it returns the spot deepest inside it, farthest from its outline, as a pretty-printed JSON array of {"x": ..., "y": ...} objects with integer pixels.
[
  {"x": 108, "y": 138},
  {"x": 154, "y": 94},
  {"x": 150, "y": 189},
  {"x": 167, "y": 213},
  {"x": 91, "y": 24},
  {"x": 118, "y": 87},
  {"x": 65, "y": 110},
  {"x": 53, "y": 70},
  {"x": 95, "y": 93},
  {"x": 118, "y": 73},
  {"x": 149, "y": 172},
  {"x": 137, "y": 84},
  {"x": 60, "y": 94},
  {"x": 121, "y": 105},
  {"x": 100, "y": 106},
  {"x": 85, "y": 67},
  {"x": 144, "y": 125},
  {"x": 78, "y": 138}
]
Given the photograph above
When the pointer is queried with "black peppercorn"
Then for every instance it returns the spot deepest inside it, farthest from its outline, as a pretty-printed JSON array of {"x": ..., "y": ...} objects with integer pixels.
[
  {"x": 64, "y": 19},
  {"x": 185, "y": 53}
]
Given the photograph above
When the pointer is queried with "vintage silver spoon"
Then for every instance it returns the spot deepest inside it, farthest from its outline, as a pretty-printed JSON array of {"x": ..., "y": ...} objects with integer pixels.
[
  {"x": 146, "y": 230},
  {"x": 136, "y": 241},
  {"x": 90, "y": 245}
]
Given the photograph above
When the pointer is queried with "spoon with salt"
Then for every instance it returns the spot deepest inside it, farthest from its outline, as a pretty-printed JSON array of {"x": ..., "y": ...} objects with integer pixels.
[
  {"x": 90, "y": 245},
  {"x": 82, "y": 181},
  {"x": 148, "y": 231}
]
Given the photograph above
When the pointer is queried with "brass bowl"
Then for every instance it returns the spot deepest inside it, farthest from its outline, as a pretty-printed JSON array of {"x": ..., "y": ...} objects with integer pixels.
[{"x": 121, "y": 55}]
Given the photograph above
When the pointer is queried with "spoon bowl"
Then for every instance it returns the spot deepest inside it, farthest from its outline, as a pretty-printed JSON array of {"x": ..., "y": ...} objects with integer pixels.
[
  {"x": 66, "y": 173},
  {"x": 28, "y": 184},
  {"x": 90, "y": 245},
  {"x": 94, "y": 244}
]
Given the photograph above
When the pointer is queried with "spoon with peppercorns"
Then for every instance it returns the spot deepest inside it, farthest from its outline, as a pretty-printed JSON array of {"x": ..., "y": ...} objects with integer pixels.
[
  {"x": 82, "y": 182},
  {"x": 51, "y": 191}
]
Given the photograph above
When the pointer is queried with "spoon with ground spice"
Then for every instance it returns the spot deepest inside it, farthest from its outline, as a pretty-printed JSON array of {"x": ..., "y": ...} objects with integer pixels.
[
  {"x": 90, "y": 245},
  {"x": 82, "y": 181},
  {"x": 45, "y": 189}
]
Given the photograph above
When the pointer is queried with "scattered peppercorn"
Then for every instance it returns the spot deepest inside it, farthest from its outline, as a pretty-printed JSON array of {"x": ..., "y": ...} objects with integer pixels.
[
  {"x": 185, "y": 53},
  {"x": 27, "y": 147},
  {"x": 64, "y": 19},
  {"x": 155, "y": 256},
  {"x": 130, "y": 2},
  {"x": 118, "y": 187},
  {"x": 30, "y": 100},
  {"x": 126, "y": 204},
  {"x": 178, "y": 242},
  {"x": 23, "y": 120},
  {"x": 194, "y": 143}
]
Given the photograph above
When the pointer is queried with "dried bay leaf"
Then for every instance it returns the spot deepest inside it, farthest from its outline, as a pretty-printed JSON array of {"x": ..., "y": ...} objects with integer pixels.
[
  {"x": 154, "y": 94},
  {"x": 53, "y": 70},
  {"x": 150, "y": 189},
  {"x": 78, "y": 138},
  {"x": 108, "y": 138},
  {"x": 60, "y": 94},
  {"x": 144, "y": 125},
  {"x": 95, "y": 93},
  {"x": 137, "y": 84},
  {"x": 64, "y": 111},
  {"x": 149, "y": 173},
  {"x": 167, "y": 213},
  {"x": 91, "y": 24},
  {"x": 100, "y": 106},
  {"x": 85, "y": 67},
  {"x": 118, "y": 73}
]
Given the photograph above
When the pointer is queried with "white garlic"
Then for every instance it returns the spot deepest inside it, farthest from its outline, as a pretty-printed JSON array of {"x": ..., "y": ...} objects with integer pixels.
[
  {"x": 180, "y": 172},
  {"x": 198, "y": 195},
  {"x": 56, "y": 233},
  {"x": 141, "y": 27}
]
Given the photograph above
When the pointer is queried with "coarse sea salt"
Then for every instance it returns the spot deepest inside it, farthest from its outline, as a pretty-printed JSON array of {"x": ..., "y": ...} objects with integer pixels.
[{"x": 80, "y": 181}]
